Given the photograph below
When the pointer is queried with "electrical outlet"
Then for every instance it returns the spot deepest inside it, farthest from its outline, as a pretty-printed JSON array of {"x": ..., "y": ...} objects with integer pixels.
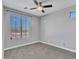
[{"x": 64, "y": 44}]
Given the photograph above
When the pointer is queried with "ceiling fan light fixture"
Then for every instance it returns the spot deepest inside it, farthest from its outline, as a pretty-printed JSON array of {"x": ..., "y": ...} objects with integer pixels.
[{"x": 39, "y": 8}]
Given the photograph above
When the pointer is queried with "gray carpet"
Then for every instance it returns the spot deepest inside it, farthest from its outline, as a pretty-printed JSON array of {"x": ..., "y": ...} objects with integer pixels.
[{"x": 38, "y": 51}]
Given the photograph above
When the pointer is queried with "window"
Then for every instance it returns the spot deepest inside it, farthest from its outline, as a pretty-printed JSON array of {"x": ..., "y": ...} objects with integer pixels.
[
  {"x": 72, "y": 13},
  {"x": 19, "y": 26}
]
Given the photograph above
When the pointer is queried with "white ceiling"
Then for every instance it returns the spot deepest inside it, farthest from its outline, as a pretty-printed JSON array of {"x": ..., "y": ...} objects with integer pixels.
[{"x": 20, "y": 4}]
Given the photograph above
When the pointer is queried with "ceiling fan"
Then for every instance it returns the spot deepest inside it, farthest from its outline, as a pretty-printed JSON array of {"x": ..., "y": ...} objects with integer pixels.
[{"x": 40, "y": 7}]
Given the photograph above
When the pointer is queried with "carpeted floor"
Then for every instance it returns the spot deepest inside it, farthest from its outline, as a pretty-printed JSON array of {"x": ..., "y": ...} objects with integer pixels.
[{"x": 38, "y": 51}]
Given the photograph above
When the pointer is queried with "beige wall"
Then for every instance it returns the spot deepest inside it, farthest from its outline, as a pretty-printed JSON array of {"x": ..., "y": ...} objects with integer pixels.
[
  {"x": 34, "y": 30},
  {"x": 59, "y": 29}
]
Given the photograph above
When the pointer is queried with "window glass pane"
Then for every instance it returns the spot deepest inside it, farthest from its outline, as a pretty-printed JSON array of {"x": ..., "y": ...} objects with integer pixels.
[
  {"x": 15, "y": 25},
  {"x": 73, "y": 13},
  {"x": 25, "y": 25}
]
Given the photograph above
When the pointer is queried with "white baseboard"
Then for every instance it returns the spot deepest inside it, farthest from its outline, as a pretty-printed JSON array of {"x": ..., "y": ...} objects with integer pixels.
[
  {"x": 59, "y": 47},
  {"x": 41, "y": 42},
  {"x": 20, "y": 45}
]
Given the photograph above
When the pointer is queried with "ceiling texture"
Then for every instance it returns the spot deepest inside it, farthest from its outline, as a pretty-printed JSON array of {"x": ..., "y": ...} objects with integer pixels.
[{"x": 21, "y": 4}]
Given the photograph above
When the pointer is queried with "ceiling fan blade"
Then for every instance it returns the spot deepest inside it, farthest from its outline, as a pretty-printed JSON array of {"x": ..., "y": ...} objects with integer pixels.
[
  {"x": 32, "y": 8},
  {"x": 25, "y": 7},
  {"x": 35, "y": 2},
  {"x": 40, "y": 3},
  {"x": 46, "y": 6},
  {"x": 43, "y": 11}
]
